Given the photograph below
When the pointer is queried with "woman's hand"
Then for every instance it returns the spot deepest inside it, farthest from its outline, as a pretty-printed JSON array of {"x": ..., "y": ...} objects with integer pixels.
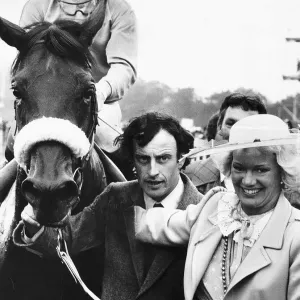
[{"x": 213, "y": 191}]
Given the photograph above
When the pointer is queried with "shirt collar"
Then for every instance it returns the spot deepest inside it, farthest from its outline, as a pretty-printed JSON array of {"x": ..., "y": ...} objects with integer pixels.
[{"x": 171, "y": 201}]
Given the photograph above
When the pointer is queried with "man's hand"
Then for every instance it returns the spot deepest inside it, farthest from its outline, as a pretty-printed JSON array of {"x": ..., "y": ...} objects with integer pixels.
[{"x": 31, "y": 225}]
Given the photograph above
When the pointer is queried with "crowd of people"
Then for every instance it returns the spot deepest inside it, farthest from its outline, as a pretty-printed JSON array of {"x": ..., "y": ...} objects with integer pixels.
[
  {"x": 163, "y": 239},
  {"x": 225, "y": 227}
]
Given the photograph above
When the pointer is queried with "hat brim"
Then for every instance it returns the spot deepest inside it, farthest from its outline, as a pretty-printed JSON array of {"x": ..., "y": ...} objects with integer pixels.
[{"x": 293, "y": 139}]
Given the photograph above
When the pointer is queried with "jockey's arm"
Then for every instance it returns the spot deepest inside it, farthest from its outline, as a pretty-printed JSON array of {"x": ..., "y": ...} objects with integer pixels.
[
  {"x": 81, "y": 232},
  {"x": 121, "y": 53}
]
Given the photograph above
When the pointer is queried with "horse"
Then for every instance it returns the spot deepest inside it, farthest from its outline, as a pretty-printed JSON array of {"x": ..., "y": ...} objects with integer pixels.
[{"x": 60, "y": 169}]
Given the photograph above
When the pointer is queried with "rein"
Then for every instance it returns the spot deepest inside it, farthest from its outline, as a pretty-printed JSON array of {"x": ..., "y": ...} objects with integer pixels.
[{"x": 65, "y": 258}]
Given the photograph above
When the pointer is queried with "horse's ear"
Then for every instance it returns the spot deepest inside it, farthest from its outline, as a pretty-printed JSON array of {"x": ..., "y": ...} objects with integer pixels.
[
  {"x": 12, "y": 34},
  {"x": 93, "y": 25}
]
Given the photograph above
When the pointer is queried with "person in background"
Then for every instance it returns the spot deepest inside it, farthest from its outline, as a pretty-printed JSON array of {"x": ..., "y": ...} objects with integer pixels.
[
  {"x": 212, "y": 127},
  {"x": 243, "y": 244},
  {"x": 153, "y": 142},
  {"x": 114, "y": 50},
  {"x": 206, "y": 174}
]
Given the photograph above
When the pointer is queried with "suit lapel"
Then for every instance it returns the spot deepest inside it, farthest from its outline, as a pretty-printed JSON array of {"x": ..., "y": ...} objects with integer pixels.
[
  {"x": 165, "y": 256},
  {"x": 136, "y": 247},
  {"x": 257, "y": 257},
  {"x": 161, "y": 262}
]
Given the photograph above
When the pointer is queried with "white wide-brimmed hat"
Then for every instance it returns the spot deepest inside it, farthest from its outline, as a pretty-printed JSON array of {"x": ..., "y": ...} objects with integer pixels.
[{"x": 253, "y": 131}]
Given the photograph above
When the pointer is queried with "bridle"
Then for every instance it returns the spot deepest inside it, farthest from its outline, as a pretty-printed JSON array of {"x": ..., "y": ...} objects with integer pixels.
[
  {"x": 79, "y": 163},
  {"x": 63, "y": 254},
  {"x": 78, "y": 172}
]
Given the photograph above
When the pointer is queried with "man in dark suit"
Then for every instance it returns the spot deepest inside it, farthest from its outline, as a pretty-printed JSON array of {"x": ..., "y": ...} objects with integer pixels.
[
  {"x": 154, "y": 143},
  {"x": 205, "y": 174}
]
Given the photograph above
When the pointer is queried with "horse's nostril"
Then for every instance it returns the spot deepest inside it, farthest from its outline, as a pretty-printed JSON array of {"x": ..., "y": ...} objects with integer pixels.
[
  {"x": 34, "y": 191},
  {"x": 66, "y": 191},
  {"x": 30, "y": 192}
]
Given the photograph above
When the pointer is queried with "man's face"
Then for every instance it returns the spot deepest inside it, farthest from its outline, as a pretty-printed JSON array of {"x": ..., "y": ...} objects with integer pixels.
[
  {"x": 157, "y": 166},
  {"x": 232, "y": 115}
]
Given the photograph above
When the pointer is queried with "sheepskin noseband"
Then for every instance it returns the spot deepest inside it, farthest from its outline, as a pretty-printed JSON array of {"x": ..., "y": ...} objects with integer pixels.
[{"x": 49, "y": 129}]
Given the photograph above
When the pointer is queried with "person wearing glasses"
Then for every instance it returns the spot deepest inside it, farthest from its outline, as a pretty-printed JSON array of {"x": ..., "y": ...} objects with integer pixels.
[{"x": 114, "y": 50}]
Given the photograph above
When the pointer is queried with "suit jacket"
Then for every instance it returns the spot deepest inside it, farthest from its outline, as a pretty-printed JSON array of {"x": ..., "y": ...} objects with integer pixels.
[
  {"x": 204, "y": 174},
  {"x": 271, "y": 270},
  {"x": 109, "y": 222}
]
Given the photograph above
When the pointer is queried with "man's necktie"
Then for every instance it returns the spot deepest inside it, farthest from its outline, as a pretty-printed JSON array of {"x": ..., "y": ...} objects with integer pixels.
[{"x": 157, "y": 205}]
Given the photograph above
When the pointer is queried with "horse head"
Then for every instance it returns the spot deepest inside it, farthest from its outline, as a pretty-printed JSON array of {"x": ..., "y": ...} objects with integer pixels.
[{"x": 55, "y": 110}]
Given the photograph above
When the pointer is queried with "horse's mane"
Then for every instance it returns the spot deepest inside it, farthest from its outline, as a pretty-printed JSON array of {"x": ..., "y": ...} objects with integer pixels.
[{"x": 60, "y": 38}]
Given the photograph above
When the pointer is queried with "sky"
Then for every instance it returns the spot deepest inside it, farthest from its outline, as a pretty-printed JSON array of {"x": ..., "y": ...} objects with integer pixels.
[{"x": 209, "y": 45}]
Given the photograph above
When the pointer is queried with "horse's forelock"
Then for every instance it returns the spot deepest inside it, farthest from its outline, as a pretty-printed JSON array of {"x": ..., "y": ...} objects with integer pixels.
[{"x": 60, "y": 38}]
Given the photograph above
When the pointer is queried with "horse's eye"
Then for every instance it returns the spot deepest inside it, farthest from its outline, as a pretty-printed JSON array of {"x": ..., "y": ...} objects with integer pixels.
[
  {"x": 88, "y": 94},
  {"x": 17, "y": 94}
]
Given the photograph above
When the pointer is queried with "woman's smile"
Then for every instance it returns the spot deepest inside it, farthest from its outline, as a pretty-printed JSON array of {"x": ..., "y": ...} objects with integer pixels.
[{"x": 251, "y": 192}]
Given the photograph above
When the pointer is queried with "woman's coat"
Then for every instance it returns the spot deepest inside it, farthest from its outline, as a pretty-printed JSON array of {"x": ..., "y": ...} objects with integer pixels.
[{"x": 271, "y": 270}]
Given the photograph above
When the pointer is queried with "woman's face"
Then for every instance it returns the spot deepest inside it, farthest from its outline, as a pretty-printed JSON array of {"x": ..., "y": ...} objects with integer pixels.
[{"x": 256, "y": 178}]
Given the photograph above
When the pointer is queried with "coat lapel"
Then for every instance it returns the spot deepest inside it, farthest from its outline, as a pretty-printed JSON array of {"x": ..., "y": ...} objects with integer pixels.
[
  {"x": 205, "y": 238},
  {"x": 161, "y": 262},
  {"x": 136, "y": 247},
  {"x": 257, "y": 257},
  {"x": 165, "y": 256}
]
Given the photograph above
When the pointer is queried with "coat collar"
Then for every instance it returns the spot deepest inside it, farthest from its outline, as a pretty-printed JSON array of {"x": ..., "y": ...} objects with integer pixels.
[{"x": 164, "y": 256}]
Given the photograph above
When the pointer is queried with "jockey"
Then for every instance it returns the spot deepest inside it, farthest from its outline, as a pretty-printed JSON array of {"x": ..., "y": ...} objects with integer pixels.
[{"x": 114, "y": 50}]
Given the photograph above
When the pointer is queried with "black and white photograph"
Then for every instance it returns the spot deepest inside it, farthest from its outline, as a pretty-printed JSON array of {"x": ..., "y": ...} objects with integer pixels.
[{"x": 150, "y": 150}]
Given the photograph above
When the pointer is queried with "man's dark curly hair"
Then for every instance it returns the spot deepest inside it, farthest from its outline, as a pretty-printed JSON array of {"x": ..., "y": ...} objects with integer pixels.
[{"x": 142, "y": 130}]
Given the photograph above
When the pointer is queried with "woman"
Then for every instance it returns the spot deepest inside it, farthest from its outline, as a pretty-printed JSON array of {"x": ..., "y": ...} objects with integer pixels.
[{"x": 242, "y": 245}]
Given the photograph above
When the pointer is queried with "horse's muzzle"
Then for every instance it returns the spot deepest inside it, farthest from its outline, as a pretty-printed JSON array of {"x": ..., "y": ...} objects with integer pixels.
[{"x": 50, "y": 205}]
